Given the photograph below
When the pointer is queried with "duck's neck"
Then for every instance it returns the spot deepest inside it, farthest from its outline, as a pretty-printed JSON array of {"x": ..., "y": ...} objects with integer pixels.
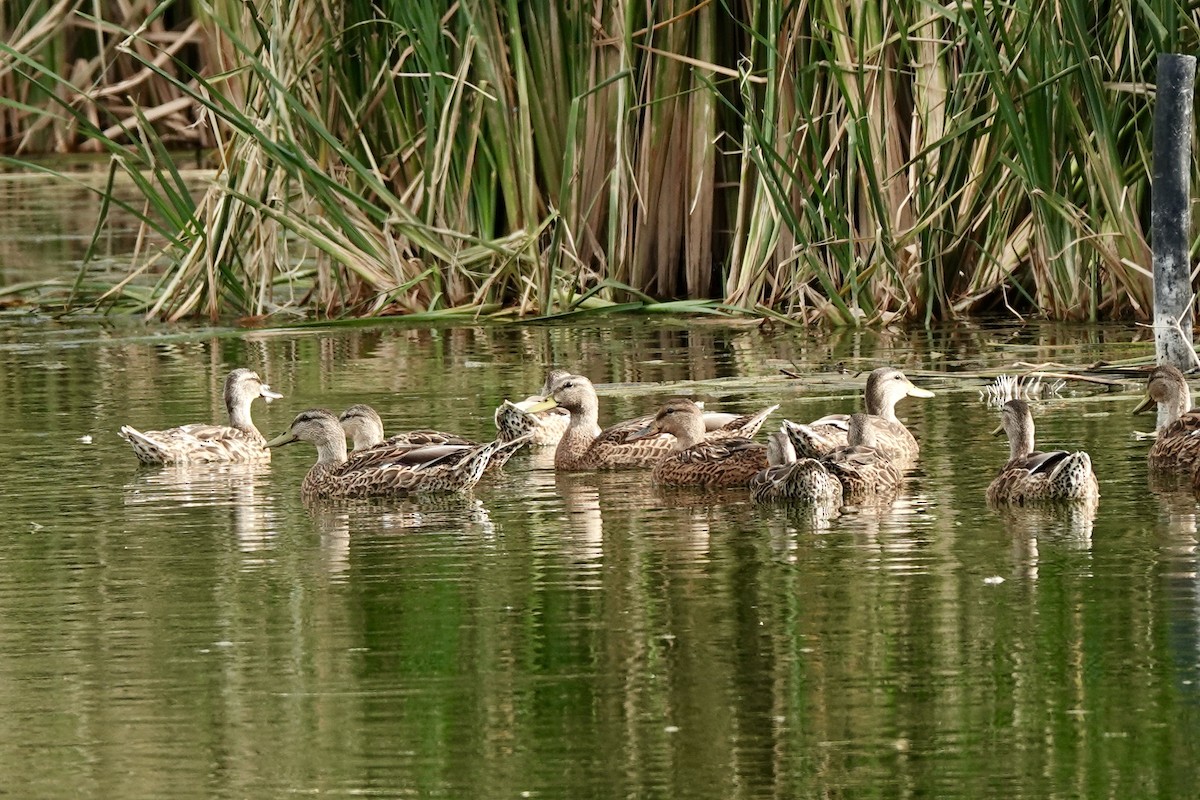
[
  {"x": 690, "y": 433},
  {"x": 879, "y": 406},
  {"x": 239, "y": 415},
  {"x": 331, "y": 451},
  {"x": 365, "y": 436},
  {"x": 584, "y": 422},
  {"x": 1175, "y": 407},
  {"x": 1020, "y": 442}
]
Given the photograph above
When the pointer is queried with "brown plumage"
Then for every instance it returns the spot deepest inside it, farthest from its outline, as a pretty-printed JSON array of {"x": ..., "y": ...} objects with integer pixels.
[
  {"x": 1031, "y": 476},
  {"x": 364, "y": 427},
  {"x": 886, "y": 386},
  {"x": 860, "y": 470},
  {"x": 202, "y": 443},
  {"x": 1177, "y": 445},
  {"x": 787, "y": 478},
  {"x": 584, "y": 446},
  {"x": 861, "y": 467},
  {"x": 696, "y": 461},
  {"x": 429, "y": 469}
]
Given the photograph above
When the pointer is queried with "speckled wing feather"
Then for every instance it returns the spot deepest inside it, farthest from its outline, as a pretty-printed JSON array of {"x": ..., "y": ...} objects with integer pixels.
[
  {"x": 713, "y": 464},
  {"x": 744, "y": 425},
  {"x": 426, "y": 438},
  {"x": 1050, "y": 476},
  {"x": 445, "y": 468},
  {"x": 1178, "y": 444},
  {"x": 823, "y": 436},
  {"x": 805, "y": 480},
  {"x": 612, "y": 449},
  {"x": 864, "y": 472},
  {"x": 820, "y": 437},
  {"x": 197, "y": 443}
]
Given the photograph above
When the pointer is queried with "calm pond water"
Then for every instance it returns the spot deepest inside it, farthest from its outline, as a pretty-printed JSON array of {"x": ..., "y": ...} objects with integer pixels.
[{"x": 203, "y": 633}]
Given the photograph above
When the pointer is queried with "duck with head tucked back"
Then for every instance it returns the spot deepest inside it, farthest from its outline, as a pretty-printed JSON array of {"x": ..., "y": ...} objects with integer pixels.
[
  {"x": 239, "y": 442},
  {"x": 697, "y": 461},
  {"x": 860, "y": 470},
  {"x": 861, "y": 467},
  {"x": 364, "y": 428},
  {"x": 788, "y": 478},
  {"x": 1031, "y": 476},
  {"x": 547, "y": 425},
  {"x": 426, "y": 469},
  {"x": 584, "y": 446},
  {"x": 886, "y": 386},
  {"x": 1177, "y": 444}
]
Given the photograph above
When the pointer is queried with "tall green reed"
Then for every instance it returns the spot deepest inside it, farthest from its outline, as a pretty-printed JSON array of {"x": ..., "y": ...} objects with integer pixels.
[{"x": 841, "y": 161}]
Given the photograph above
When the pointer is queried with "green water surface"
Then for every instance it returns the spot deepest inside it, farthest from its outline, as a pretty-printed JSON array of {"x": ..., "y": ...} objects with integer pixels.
[{"x": 202, "y": 633}]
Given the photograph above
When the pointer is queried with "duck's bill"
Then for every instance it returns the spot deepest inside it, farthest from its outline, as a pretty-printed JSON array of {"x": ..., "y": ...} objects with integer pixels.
[
  {"x": 524, "y": 406},
  {"x": 539, "y": 404},
  {"x": 642, "y": 433},
  {"x": 1147, "y": 403},
  {"x": 267, "y": 394},
  {"x": 917, "y": 391},
  {"x": 282, "y": 439}
]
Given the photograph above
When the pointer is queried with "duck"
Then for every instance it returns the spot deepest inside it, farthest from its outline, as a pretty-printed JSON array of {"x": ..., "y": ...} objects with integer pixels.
[
  {"x": 693, "y": 460},
  {"x": 426, "y": 469},
  {"x": 795, "y": 479},
  {"x": 886, "y": 386},
  {"x": 862, "y": 468},
  {"x": 364, "y": 427},
  {"x": 1177, "y": 445},
  {"x": 547, "y": 426},
  {"x": 1031, "y": 476},
  {"x": 861, "y": 471},
  {"x": 364, "y": 430},
  {"x": 239, "y": 442},
  {"x": 584, "y": 446}
]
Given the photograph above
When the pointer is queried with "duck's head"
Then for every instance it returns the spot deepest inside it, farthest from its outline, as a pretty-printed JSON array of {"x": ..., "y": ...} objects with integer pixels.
[
  {"x": 318, "y": 427},
  {"x": 887, "y": 386},
  {"x": 362, "y": 426},
  {"x": 679, "y": 417},
  {"x": 1165, "y": 386},
  {"x": 242, "y": 386},
  {"x": 572, "y": 392}
]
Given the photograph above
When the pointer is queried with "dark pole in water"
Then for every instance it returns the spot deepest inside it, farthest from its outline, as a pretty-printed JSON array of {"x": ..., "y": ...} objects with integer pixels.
[{"x": 1170, "y": 210}]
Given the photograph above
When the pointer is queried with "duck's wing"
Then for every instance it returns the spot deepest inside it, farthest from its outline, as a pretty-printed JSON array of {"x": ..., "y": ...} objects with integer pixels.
[
  {"x": 195, "y": 443},
  {"x": 818, "y": 437}
]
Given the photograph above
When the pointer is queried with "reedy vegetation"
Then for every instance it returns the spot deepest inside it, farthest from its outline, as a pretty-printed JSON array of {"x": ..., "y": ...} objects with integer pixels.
[{"x": 844, "y": 161}]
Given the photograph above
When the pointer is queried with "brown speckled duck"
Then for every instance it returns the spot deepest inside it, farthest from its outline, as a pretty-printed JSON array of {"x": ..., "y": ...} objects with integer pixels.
[
  {"x": 861, "y": 467},
  {"x": 696, "y": 461},
  {"x": 1031, "y": 476},
  {"x": 803, "y": 480},
  {"x": 860, "y": 470},
  {"x": 1177, "y": 446},
  {"x": 427, "y": 469},
  {"x": 364, "y": 427},
  {"x": 239, "y": 442},
  {"x": 886, "y": 386},
  {"x": 584, "y": 446}
]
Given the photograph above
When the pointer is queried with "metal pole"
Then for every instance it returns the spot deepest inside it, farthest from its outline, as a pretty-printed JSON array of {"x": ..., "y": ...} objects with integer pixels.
[{"x": 1170, "y": 212}]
